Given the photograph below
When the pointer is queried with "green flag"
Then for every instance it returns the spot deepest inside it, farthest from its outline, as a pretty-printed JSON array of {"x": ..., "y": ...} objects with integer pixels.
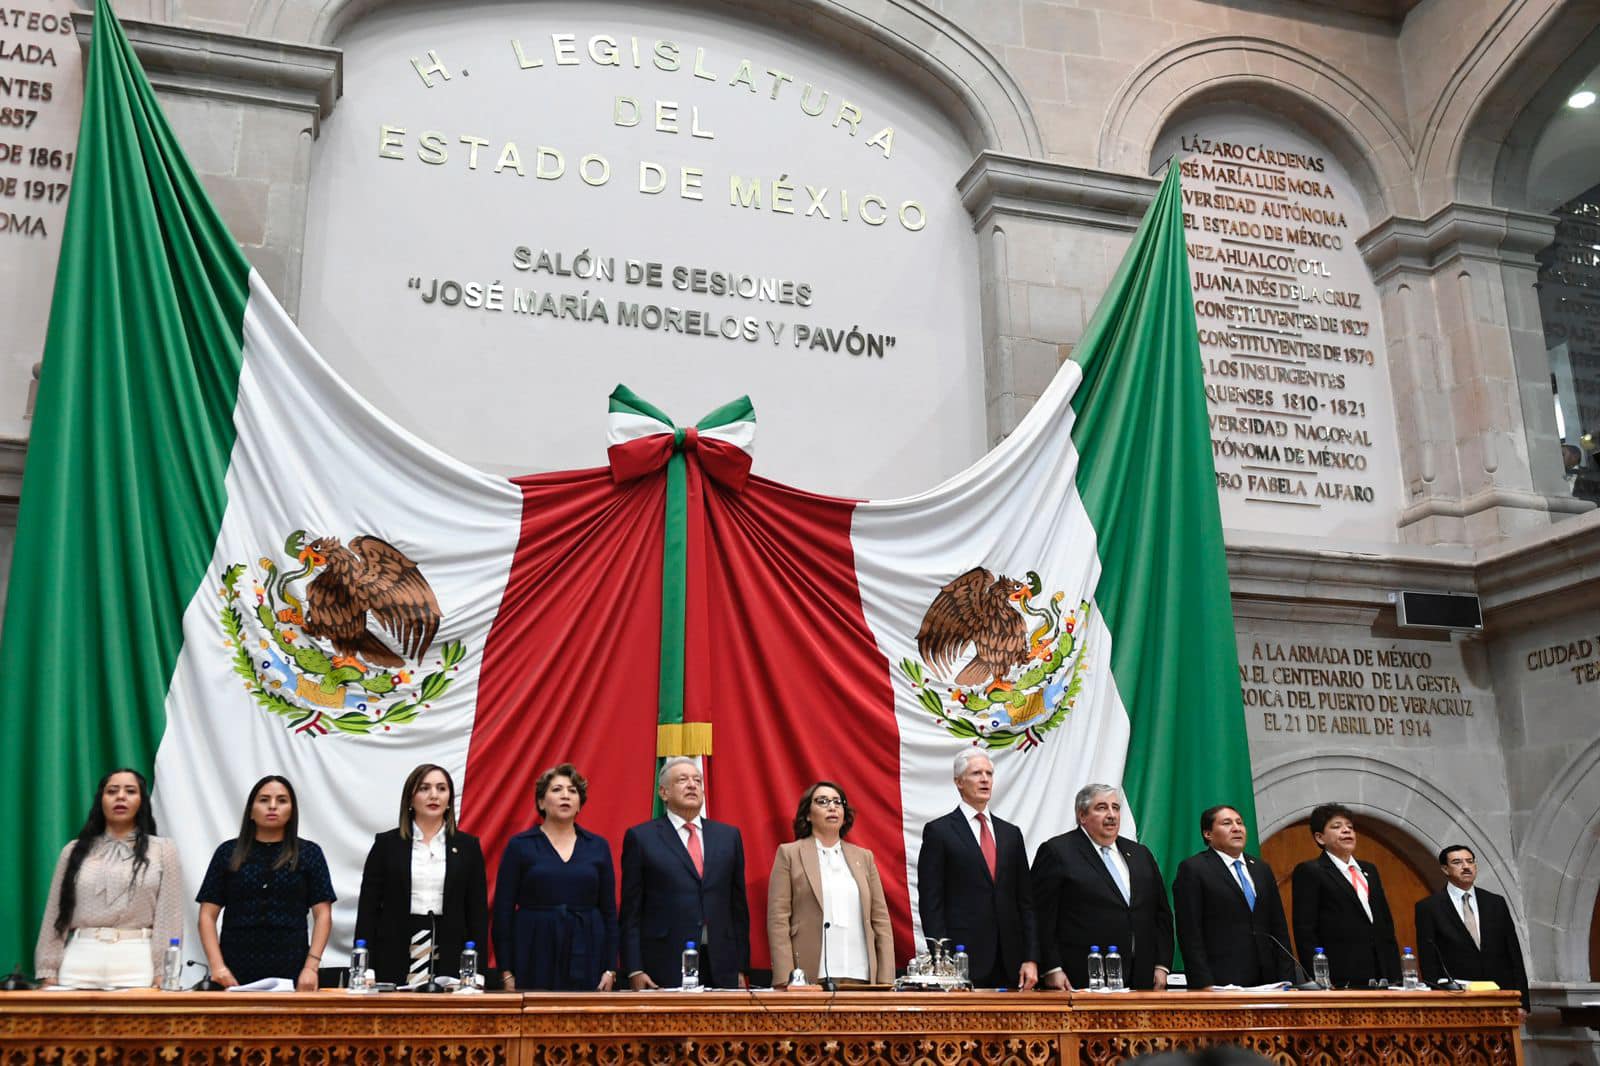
[
  {"x": 123, "y": 491},
  {"x": 1151, "y": 494}
]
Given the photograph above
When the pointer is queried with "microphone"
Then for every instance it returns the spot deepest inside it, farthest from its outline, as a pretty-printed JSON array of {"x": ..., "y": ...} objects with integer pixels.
[
  {"x": 205, "y": 984},
  {"x": 827, "y": 983},
  {"x": 17, "y": 981},
  {"x": 431, "y": 985},
  {"x": 1303, "y": 980},
  {"x": 1449, "y": 984}
]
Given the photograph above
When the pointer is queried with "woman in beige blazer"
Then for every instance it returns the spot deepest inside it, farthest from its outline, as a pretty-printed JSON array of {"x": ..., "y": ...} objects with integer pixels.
[{"x": 819, "y": 879}]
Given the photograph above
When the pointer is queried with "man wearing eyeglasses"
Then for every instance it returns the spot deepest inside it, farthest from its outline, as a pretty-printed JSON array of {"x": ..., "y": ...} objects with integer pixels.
[
  {"x": 972, "y": 883},
  {"x": 1465, "y": 932}
]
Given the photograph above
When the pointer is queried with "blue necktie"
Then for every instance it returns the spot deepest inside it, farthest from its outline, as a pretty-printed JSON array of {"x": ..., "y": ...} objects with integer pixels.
[
  {"x": 1244, "y": 883},
  {"x": 1116, "y": 874}
]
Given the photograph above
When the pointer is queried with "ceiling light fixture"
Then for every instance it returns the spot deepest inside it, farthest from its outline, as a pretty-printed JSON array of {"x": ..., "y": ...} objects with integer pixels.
[{"x": 1582, "y": 98}]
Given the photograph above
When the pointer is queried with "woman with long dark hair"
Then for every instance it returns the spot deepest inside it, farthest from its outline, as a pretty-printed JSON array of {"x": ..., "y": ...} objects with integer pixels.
[
  {"x": 117, "y": 896},
  {"x": 266, "y": 880},
  {"x": 424, "y": 892}
]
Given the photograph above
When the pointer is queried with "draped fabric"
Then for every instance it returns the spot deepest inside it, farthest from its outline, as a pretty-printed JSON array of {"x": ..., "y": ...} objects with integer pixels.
[{"x": 223, "y": 546}]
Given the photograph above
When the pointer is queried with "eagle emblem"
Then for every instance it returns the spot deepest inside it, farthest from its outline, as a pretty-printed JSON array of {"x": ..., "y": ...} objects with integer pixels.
[
  {"x": 341, "y": 641},
  {"x": 369, "y": 582},
  {"x": 1021, "y": 661}
]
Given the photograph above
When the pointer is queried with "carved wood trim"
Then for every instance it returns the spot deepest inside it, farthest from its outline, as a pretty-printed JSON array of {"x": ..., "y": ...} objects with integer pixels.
[{"x": 763, "y": 1029}]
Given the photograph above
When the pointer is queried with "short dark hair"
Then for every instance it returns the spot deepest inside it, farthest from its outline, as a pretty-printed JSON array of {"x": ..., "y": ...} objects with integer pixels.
[
  {"x": 802, "y": 814},
  {"x": 1444, "y": 856},
  {"x": 566, "y": 770},
  {"x": 1208, "y": 817},
  {"x": 1327, "y": 812}
]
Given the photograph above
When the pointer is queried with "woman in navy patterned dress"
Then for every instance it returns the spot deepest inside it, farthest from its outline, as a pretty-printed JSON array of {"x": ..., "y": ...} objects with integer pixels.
[
  {"x": 266, "y": 881},
  {"x": 555, "y": 898}
]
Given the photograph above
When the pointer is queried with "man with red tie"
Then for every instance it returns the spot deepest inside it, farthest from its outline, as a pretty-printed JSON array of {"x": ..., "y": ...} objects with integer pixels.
[
  {"x": 972, "y": 883},
  {"x": 682, "y": 880},
  {"x": 1340, "y": 907}
]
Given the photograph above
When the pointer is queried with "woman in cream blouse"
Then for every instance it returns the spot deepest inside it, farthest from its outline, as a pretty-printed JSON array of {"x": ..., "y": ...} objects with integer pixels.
[
  {"x": 116, "y": 898},
  {"x": 819, "y": 880}
]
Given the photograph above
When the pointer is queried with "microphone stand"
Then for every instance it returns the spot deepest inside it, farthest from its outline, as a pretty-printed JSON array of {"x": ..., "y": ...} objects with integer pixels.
[
  {"x": 206, "y": 983},
  {"x": 1303, "y": 980},
  {"x": 828, "y": 984},
  {"x": 1449, "y": 984},
  {"x": 17, "y": 981},
  {"x": 431, "y": 985}
]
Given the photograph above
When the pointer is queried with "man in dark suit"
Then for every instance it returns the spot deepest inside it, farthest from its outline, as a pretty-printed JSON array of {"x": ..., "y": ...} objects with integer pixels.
[
  {"x": 1340, "y": 907},
  {"x": 1469, "y": 929},
  {"x": 1095, "y": 888},
  {"x": 682, "y": 880},
  {"x": 1228, "y": 910},
  {"x": 972, "y": 883}
]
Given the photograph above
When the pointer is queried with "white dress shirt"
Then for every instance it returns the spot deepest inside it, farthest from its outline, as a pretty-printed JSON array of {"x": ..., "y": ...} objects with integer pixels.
[
  {"x": 1456, "y": 896},
  {"x": 683, "y": 834},
  {"x": 1229, "y": 860},
  {"x": 1116, "y": 857},
  {"x": 427, "y": 872},
  {"x": 970, "y": 813},
  {"x": 1359, "y": 884},
  {"x": 846, "y": 932}
]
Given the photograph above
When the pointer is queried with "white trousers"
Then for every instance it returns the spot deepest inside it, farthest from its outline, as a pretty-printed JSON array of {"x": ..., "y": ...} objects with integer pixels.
[{"x": 90, "y": 963}]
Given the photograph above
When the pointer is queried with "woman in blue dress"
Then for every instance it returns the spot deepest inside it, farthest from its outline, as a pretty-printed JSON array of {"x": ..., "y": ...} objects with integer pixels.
[
  {"x": 555, "y": 897},
  {"x": 265, "y": 881}
]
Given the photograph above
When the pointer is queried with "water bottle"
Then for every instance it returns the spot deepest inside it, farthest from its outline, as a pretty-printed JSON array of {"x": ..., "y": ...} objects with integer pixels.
[
  {"x": 358, "y": 967},
  {"x": 1113, "y": 970},
  {"x": 469, "y": 967},
  {"x": 1319, "y": 970},
  {"x": 691, "y": 967},
  {"x": 1097, "y": 969},
  {"x": 1408, "y": 971},
  {"x": 172, "y": 967},
  {"x": 963, "y": 967}
]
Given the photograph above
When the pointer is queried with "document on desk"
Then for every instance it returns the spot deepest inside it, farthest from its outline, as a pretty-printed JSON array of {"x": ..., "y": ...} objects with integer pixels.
[{"x": 266, "y": 984}]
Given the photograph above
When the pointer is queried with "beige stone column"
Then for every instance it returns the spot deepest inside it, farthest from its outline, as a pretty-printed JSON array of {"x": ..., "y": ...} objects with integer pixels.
[
  {"x": 1050, "y": 237},
  {"x": 246, "y": 111},
  {"x": 1478, "y": 447}
]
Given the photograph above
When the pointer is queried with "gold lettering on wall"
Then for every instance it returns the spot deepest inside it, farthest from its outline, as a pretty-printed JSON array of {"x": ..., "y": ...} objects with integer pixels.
[
  {"x": 1286, "y": 327},
  {"x": 1351, "y": 691}
]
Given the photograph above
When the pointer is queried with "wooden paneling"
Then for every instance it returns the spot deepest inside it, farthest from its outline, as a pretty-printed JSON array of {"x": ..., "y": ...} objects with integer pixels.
[
  {"x": 766, "y": 1028},
  {"x": 1403, "y": 882}
]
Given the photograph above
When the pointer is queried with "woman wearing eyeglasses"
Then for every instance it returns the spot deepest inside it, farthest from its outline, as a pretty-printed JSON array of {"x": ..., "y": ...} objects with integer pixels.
[{"x": 823, "y": 886}]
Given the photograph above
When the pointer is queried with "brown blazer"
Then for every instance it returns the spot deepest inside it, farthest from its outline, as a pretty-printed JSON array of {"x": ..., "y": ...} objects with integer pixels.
[{"x": 794, "y": 912}]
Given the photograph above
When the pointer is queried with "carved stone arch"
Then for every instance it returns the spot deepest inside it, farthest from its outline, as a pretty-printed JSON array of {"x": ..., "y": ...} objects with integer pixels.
[
  {"x": 1561, "y": 869},
  {"x": 907, "y": 38},
  {"x": 1271, "y": 75},
  {"x": 1288, "y": 788},
  {"x": 1471, "y": 137}
]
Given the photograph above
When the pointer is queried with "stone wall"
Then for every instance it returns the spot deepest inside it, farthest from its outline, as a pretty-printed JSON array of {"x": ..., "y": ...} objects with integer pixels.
[{"x": 1064, "y": 103}]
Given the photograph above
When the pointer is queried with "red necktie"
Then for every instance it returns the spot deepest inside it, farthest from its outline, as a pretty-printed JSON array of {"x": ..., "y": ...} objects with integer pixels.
[
  {"x": 695, "y": 853},
  {"x": 986, "y": 842},
  {"x": 1357, "y": 880}
]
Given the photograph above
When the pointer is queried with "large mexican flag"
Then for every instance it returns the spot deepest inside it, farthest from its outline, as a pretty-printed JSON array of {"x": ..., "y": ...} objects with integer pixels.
[{"x": 229, "y": 564}]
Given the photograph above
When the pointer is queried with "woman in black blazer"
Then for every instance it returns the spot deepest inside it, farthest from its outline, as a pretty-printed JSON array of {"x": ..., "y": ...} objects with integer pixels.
[{"x": 425, "y": 865}]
